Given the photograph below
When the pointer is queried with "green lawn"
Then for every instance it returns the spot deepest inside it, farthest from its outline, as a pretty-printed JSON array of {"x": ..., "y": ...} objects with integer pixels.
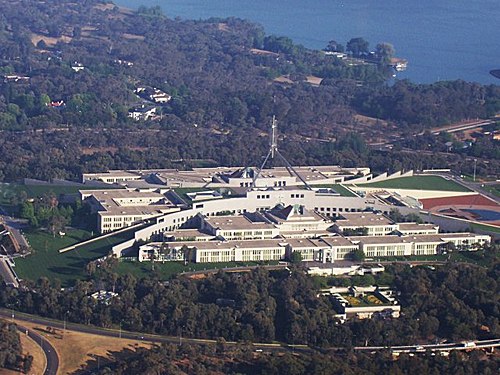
[
  {"x": 68, "y": 267},
  {"x": 487, "y": 228},
  {"x": 419, "y": 183},
  {"x": 7, "y": 190},
  {"x": 493, "y": 189},
  {"x": 167, "y": 270}
]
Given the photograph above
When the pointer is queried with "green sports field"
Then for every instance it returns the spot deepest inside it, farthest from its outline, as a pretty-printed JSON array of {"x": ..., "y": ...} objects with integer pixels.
[{"x": 419, "y": 183}]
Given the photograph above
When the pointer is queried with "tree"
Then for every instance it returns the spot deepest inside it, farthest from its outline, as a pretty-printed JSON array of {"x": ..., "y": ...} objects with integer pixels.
[
  {"x": 296, "y": 257},
  {"x": 334, "y": 46},
  {"x": 384, "y": 52},
  {"x": 358, "y": 47},
  {"x": 28, "y": 361},
  {"x": 357, "y": 255}
]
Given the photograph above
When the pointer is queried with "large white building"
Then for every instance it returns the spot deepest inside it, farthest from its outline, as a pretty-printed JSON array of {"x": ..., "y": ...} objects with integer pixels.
[
  {"x": 375, "y": 224},
  {"x": 236, "y": 177},
  {"x": 119, "y": 208},
  {"x": 238, "y": 227}
]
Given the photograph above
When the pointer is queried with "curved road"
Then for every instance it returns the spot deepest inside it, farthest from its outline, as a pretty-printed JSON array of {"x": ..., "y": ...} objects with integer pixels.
[
  {"x": 272, "y": 347},
  {"x": 48, "y": 349}
]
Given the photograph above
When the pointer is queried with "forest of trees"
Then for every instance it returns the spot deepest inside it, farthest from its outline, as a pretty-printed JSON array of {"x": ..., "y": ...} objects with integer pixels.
[
  {"x": 173, "y": 359},
  {"x": 11, "y": 356},
  {"x": 455, "y": 301},
  {"x": 223, "y": 95}
]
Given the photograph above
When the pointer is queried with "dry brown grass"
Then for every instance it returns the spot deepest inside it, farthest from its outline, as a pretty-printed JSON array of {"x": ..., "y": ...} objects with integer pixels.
[
  {"x": 50, "y": 41},
  {"x": 133, "y": 36},
  {"x": 369, "y": 121},
  {"x": 313, "y": 80},
  {"x": 76, "y": 349},
  {"x": 39, "y": 359}
]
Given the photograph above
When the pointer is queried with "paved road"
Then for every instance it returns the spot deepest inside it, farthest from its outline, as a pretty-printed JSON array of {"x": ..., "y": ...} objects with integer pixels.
[
  {"x": 467, "y": 345},
  {"x": 274, "y": 347},
  {"x": 48, "y": 349}
]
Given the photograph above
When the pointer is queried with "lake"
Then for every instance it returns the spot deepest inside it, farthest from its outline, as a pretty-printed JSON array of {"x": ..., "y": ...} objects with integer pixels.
[{"x": 442, "y": 39}]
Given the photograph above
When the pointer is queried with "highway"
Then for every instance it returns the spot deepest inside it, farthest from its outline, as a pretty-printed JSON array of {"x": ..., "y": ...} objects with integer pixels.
[
  {"x": 266, "y": 347},
  {"x": 7, "y": 314},
  {"x": 48, "y": 349},
  {"x": 466, "y": 345}
]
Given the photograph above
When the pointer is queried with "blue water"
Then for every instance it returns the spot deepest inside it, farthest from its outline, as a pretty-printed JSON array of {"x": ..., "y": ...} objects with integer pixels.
[
  {"x": 442, "y": 39},
  {"x": 485, "y": 215}
]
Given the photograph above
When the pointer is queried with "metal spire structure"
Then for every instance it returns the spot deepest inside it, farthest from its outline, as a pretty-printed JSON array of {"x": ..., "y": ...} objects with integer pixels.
[{"x": 273, "y": 151}]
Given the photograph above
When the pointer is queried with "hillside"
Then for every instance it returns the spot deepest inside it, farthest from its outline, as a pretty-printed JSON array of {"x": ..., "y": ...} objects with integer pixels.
[{"x": 73, "y": 71}]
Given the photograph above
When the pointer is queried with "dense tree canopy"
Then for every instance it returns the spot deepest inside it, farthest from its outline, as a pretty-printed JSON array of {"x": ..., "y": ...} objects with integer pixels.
[{"x": 223, "y": 94}]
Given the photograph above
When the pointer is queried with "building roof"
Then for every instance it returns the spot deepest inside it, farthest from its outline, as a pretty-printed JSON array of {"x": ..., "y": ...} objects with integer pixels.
[
  {"x": 416, "y": 226},
  {"x": 228, "y": 245},
  {"x": 114, "y": 173},
  {"x": 374, "y": 240},
  {"x": 187, "y": 233},
  {"x": 363, "y": 219},
  {"x": 236, "y": 222},
  {"x": 281, "y": 214},
  {"x": 127, "y": 202},
  {"x": 335, "y": 241}
]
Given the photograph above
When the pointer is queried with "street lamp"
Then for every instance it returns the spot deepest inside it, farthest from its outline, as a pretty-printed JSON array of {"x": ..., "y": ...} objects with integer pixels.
[
  {"x": 64, "y": 325},
  {"x": 475, "y": 164}
]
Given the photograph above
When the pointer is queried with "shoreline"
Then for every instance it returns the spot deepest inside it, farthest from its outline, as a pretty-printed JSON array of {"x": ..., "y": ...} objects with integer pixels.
[{"x": 495, "y": 73}]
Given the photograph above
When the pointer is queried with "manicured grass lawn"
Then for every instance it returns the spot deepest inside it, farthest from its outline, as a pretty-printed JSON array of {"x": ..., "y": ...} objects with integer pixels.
[
  {"x": 68, "y": 267},
  {"x": 419, "y": 183},
  {"x": 488, "y": 228},
  {"x": 344, "y": 192},
  {"x": 167, "y": 270},
  {"x": 493, "y": 189},
  {"x": 8, "y": 190}
]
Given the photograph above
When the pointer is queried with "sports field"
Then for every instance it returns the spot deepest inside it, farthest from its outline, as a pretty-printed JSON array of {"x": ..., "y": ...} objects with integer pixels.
[{"x": 436, "y": 183}]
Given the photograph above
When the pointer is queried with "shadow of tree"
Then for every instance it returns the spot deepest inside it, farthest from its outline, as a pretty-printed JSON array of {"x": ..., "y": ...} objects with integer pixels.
[{"x": 99, "y": 361}]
